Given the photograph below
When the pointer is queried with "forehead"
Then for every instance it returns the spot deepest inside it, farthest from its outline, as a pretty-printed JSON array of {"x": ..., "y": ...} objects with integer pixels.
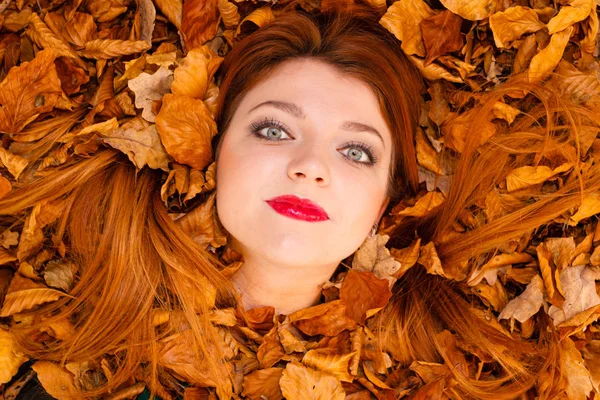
[{"x": 324, "y": 92}]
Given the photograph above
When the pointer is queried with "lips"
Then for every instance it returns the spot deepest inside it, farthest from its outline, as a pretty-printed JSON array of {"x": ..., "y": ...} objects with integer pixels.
[{"x": 297, "y": 208}]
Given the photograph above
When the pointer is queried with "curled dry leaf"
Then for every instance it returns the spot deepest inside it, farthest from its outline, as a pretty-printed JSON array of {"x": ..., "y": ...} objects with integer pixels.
[
  {"x": 104, "y": 49},
  {"x": 150, "y": 87},
  {"x": 15, "y": 164},
  {"x": 527, "y": 303},
  {"x": 45, "y": 38},
  {"x": 588, "y": 207},
  {"x": 259, "y": 17},
  {"x": 523, "y": 177},
  {"x": 579, "y": 381},
  {"x": 21, "y": 300},
  {"x": 229, "y": 13},
  {"x": 203, "y": 225},
  {"x": 192, "y": 77},
  {"x": 374, "y": 257},
  {"x": 512, "y": 23},
  {"x": 441, "y": 34},
  {"x": 262, "y": 384},
  {"x": 141, "y": 142},
  {"x": 544, "y": 62},
  {"x": 199, "y": 23},
  {"x": 578, "y": 284},
  {"x": 172, "y": 9},
  {"x": 186, "y": 129},
  {"x": 59, "y": 275},
  {"x": 10, "y": 357},
  {"x": 473, "y": 10},
  {"x": 300, "y": 383},
  {"x": 402, "y": 18},
  {"x": 326, "y": 361},
  {"x": 57, "y": 381},
  {"x": 327, "y": 319},
  {"x": 363, "y": 294},
  {"x": 27, "y": 91},
  {"x": 575, "y": 11}
]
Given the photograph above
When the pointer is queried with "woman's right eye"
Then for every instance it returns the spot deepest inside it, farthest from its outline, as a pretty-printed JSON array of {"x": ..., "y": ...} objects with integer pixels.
[{"x": 270, "y": 130}]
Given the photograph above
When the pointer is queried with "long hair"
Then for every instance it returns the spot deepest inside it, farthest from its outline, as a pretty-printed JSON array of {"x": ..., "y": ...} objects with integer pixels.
[{"x": 130, "y": 258}]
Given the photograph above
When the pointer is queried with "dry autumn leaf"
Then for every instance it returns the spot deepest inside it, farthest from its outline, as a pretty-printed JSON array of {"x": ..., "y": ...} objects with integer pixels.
[
  {"x": 512, "y": 23},
  {"x": 10, "y": 357},
  {"x": 300, "y": 383},
  {"x": 192, "y": 77},
  {"x": 402, "y": 19}
]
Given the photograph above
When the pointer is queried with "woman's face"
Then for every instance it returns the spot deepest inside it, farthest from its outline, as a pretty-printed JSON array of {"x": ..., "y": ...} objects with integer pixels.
[{"x": 302, "y": 132}]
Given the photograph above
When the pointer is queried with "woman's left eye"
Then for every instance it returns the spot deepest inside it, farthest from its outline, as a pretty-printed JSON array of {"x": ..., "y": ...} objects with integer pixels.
[{"x": 357, "y": 152}]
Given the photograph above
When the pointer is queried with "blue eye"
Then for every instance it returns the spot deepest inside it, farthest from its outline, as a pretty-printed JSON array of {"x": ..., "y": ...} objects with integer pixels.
[{"x": 277, "y": 130}]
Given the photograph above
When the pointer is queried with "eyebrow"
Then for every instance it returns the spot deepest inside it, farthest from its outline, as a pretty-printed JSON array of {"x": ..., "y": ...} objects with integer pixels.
[{"x": 296, "y": 111}]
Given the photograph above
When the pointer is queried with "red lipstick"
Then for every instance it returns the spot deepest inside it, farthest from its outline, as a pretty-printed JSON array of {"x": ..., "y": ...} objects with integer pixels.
[{"x": 297, "y": 208}]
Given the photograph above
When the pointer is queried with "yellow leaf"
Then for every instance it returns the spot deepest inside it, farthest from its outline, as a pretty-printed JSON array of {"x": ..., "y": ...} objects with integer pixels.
[
  {"x": 576, "y": 11},
  {"x": 522, "y": 177},
  {"x": 434, "y": 71},
  {"x": 505, "y": 112},
  {"x": 335, "y": 364},
  {"x": 425, "y": 205},
  {"x": 14, "y": 163},
  {"x": 259, "y": 17},
  {"x": 191, "y": 78},
  {"x": 588, "y": 207},
  {"x": 104, "y": 49},
  {"x": 574, "y": 371},
  {"x": 21, "y": 300},
  {"x": 512, "y": 23},
  {"x": 229, "y": 14},
  {"x": 544, "y": 62},
  {"x": 300, "y": 383},
  {"x": 473, "y": 10},
  {"x": 28, "y": 90},
  {"x": 10, "y": 358},
  {"x": 172, "y": 9},
  {"x": 402, "y": 19},
  {"x": 45, "y": 38},
  {"x": 186, "y": 129},
  {"x": 57, "y": 381},
  {"x": 263, "y": 383}
]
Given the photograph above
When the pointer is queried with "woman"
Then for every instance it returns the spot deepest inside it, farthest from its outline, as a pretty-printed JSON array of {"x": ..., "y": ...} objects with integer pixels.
[{"x": 317, "y": 116}]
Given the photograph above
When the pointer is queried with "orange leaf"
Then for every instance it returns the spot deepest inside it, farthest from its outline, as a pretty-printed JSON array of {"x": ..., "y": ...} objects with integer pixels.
[
  {"x": 197, "y": 70},
  {"x": 199, "y": 23},
  {"x": 263, "y": 384},
  {"x": 335, "y": 364},
  {"x": 186, "y": 129},
  {"x": 327, "y": 319},
  {"x": 363, "y": 291},
  {"x": 441, "y": 34},
  {"x": 10, "y": 357},
  {"x": 300, "y": 383},
  {"x": 57, "y": 381},
  {"x": 28, "y": 90},
  {"x": 270, "y": 351}
]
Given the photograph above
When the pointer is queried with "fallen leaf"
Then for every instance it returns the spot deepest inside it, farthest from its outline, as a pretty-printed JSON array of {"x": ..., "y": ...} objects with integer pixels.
[
  {"x": 10, "y": 357},
  {"x": 527, "y": 303},
  {"x": 27, "y": 91},
  {"x": 327, "y": 319},
  {"x": 402, "y": 19},
  {"x": 172, "y": 9},
  {"x": 374, "y": 257},
  {"x": 544, "y": 62},
  {"x": 199, "y": 23},
  {"x": 362, "y": 292},
  {"x": 441, "y": 34},
  {"x": 300, "y": 383},
  {"x": 512, "y": 23},
  {"x": 589, "y": 206},
  {"x": 191, "y": 78},
  {"x": 523, "y": 177},
  {"x": 575, "y": 11},
  {"x": 186, "y": 129},
  {"x": 574, "y": 371},
  {"x": 579, "y": 289},
  {"x": 335, "y": 364},
  {"x": 14, "y": 163},
  {"x": 57, "y": 381},
  {"x": 262, "y": 384},
  {"x": 473, "y": 10},
  {"x": 104, "y": 49},
  {"x": 148, "y": 88}
]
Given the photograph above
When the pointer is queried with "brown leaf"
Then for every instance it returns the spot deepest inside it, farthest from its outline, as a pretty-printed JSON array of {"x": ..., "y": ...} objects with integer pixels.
[
  {"x": 148, "y": 88},
  {"x": 5, "y": 186},
  {"x": 526, "y": 176},
  {"x": 186, "y": 129},
  {"x": 575, "y": 11},
  {"x": 191, "y": 78},
  {"x": 374, "y": 257},
  {"x": 203, "y": 225},
  {"x": 402, "y": 18},
  {"x": 441, "y": 34},
  {"x": 578, "y": 285},
  {"x": 105, "y": 11},
  {"x": 544, "y": 62},
  {"x": 21, "y": 300},
  {"x": 80, "y": 29},
  {"x": 261, "y": 318},
  {"x": 10, "y": 357},
  {"x": 270, "y": 350},
  {"x": 141, "y": 142},
  {"x": 511, "y": 24},
  {"x": 172, "y": 9},
  {"x": 328, "y": 361},
  {"x": 57, "y": 381},
  {"x": 262, "y": 384},
  {"x": 473, "y": 10},
  {"x": 363, "y": 292},
  {"x": 407, "y": 257},
  {"x": 71, "y": 76},
  {"x": 229, "y": 13},
  {"x": 15, "y": 164},
  {"x": 327, "y": 319},
  {"x": 199, "y": 23},
  {"x": 300, "y": 383},
  {"x": 59, "y": 275},
  {"x": 527, "y": 303},
  {"x": 27, "y": 91},
  {"x": 148, "y": 15},
  {"x": 104, "y": 49},
  {"x": 45, "y": 38},
  {"x": 573, "y": 369}
]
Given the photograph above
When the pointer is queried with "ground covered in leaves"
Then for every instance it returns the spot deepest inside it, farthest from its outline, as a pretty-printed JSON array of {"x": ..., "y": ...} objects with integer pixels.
[{"x": 138, "y": 76}]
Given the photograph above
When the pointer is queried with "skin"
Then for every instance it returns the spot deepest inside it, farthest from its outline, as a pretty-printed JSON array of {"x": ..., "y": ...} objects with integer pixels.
[{"x": 286, "y": 261}]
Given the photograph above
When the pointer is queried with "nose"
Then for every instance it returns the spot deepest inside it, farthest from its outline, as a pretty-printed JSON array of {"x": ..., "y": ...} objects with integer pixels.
[{"x": 309, "y": 163}]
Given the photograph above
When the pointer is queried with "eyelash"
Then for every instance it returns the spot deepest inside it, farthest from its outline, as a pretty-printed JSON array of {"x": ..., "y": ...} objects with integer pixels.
[{"x": 272, "y": 123}]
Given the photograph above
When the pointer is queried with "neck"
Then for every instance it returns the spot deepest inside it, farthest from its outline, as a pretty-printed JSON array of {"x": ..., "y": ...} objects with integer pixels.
[{"x": 286, "y": 288}]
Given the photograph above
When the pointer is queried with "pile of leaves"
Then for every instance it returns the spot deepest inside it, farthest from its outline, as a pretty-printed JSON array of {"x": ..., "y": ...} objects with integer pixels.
[{"x": 138, "y": 76}]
